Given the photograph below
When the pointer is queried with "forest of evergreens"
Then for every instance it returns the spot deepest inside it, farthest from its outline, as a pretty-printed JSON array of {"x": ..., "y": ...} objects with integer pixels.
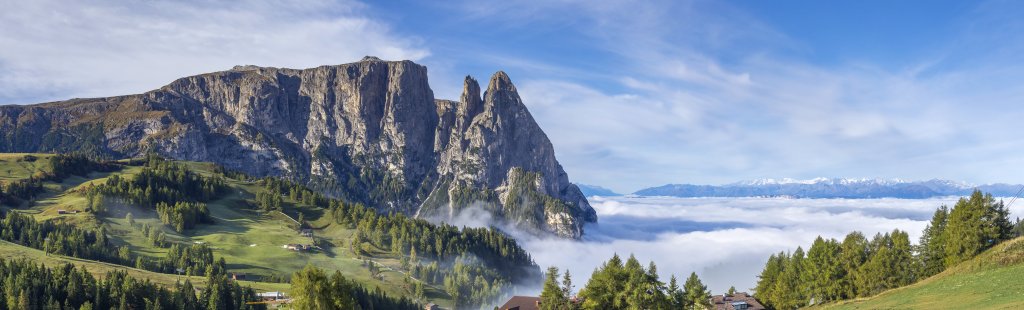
[
  {"x": 312, "y": 288},
  {"x": 176, "y": 193},
  {"x": 618, "y": 285},
  {"x": 474, "y": 265},
  {"x": 56, "y": 169},
  {"x": 833, "y": 270},
  {"x": 26, "y": 285}
]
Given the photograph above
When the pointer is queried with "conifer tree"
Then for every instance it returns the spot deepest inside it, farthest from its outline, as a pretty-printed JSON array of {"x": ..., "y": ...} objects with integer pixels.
[
  {"x": 567, "y": 288},
  {"x": 604, "y": 286},
  {"x": 1018, "y": 229},
  {"x": 788, "y": 291},
  {"x": 552, "y": 297},
  {"x": 309, "y": 289},
  {"x": 974, "y": 225},
  {"x": 932, "y": 246},
  {"x": 853, "y": 254},
  {"x": 696, "y": 294},
  {"x": 822, "y": 271},
  {"x": 768, "y": 279},
  {"x": 675, "y": 293}
]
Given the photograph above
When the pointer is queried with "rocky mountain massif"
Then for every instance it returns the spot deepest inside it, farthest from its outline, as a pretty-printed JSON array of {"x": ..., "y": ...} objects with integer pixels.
[
  {"x": 832, "y": 188},
  {"x": 369, "y": 131}
]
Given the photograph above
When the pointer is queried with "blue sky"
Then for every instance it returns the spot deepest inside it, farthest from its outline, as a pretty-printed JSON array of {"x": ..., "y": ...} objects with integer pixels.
[{"x": 631, "y": 94}]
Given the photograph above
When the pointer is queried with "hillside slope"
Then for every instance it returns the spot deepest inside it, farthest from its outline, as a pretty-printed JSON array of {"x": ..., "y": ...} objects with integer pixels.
[
  {"x": 992, "y": 280},
  {"x": 369, "y": 131},
  {"x": 400, "y": 256}
]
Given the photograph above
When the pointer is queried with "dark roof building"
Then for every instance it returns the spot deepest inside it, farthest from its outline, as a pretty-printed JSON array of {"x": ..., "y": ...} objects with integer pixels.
[
  {"x": 737, "y": 301},
  {"x": 521, "y": 303}
]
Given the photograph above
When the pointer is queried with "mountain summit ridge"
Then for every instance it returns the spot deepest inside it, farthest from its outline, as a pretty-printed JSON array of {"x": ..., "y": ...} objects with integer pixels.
[{"x": 369, "y": 131}]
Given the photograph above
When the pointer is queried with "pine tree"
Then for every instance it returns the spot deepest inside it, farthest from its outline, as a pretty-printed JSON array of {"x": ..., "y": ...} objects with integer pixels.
[
  {"x": 974, "y": 225},
  {"x": 932, "y": 246},
  {"x": 768, "y": 279},
  {"x": 732, "y": 290},
  {"x": 675, "y": 293},
  {"x": 696, "y": 294},
  {"x": 853, "y": 254},
  {"x": 1018, "y": 229},
  {"x": 607, "y": 281},
  {"x": 567, "y": 289},
  {"x": 788, "y": 291},
  {"x": 310, "y": 289},
  {"x": 903, "y": 267},
  {"x": 420, "y": 295},
  {"x": 552, "y": 297},
  {"x": 822, "y": 271}
]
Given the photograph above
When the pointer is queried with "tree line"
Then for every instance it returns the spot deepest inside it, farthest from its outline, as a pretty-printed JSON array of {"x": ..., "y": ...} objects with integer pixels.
[
  {"x": 26, "y": 285},
  {"x": 175, "y": 192},
  {"x": 56, "y": 169},
  {"x": 312, "y": 288},
  {"x": 618, "y": 285},
  {"x": 831, "y": 270},
  {"x": 58, "y": 238},
  {"x": 481, "y": 262},
  {"x": 474, "y": 265}
]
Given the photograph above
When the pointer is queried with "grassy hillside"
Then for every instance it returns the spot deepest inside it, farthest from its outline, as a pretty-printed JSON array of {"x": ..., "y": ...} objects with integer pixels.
[
  {"x": 249, "y": 240},
  {"x": 15, "y": 166},
  {"x": 10, "y": 251},
  {"x": 992, "y": 280}
]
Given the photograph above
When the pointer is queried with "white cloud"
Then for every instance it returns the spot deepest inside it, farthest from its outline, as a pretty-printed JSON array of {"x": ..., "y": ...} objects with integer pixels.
[
  {"x": 725, "y": 240},
  {"x": 703, "y": 99},
  {"x": 59, "y": 49}
]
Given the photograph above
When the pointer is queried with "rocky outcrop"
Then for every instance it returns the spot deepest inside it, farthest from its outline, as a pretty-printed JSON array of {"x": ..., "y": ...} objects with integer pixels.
[{"x": 369, "y": 131}]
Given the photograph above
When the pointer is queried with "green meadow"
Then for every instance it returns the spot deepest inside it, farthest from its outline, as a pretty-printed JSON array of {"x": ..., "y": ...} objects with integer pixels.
[{"x": 251, "y": 242}]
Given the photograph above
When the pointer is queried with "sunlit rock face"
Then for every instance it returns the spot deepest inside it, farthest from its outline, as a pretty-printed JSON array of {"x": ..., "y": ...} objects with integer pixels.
[{"x": 369, "y": 131}]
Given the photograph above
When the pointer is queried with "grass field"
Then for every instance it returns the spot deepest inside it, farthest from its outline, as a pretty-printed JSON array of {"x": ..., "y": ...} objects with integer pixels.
[
  {"x": 11, "y": 251},
  {"x": 250, "y": 241},
  {"x": 993, "y": 280},
  {"x": 16, "y": 166}
]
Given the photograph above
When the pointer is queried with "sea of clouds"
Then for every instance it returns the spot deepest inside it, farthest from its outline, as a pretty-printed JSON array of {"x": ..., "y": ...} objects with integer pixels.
[{"x": 726, "y": 241}]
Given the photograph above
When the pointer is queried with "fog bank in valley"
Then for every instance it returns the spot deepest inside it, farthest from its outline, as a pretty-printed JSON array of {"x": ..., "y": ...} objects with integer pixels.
[{"x": 725, "y": 240}]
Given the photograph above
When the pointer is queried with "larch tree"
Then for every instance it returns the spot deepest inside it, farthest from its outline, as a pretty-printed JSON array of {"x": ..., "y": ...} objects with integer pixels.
[
  {"x": 823, "y": 271},
  {"x": 552, "y": 297},
  {"x": 853, "y": 254},
  {"x": 932, "y": 246},
  {"x": 768, "y": 279},
  {"x": 695, "y": 294},
  {"x": 788, "y": 290}
]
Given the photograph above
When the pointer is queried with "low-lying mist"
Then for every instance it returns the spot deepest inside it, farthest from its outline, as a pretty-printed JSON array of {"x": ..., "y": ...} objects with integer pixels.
[{"x": 725, "y": 240}]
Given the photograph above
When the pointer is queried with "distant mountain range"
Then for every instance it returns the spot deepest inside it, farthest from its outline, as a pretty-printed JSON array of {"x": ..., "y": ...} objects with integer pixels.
[
  {"x": 830, "y": 188},
  {"x": 594, "y": 190}
]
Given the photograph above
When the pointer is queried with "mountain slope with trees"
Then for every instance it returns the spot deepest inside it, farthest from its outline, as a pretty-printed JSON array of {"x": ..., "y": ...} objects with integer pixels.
[
  {"x": 832, "y": 271},
  {"x": 191, "y": 218}
]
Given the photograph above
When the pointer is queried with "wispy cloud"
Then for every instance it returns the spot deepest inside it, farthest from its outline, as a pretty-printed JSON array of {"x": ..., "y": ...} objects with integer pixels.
[
  {"x": 703, "y": 92},
  {"x": 60, "y": 49}
]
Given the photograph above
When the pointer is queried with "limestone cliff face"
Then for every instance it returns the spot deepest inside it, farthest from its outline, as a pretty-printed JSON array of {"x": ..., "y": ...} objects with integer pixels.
[{"x": 369, "y": 131}]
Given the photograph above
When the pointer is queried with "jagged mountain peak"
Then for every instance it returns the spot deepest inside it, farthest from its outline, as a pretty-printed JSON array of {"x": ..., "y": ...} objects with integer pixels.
[
  {"x": 369, "y": 131},
  {"x": 501, "y": 81}
]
